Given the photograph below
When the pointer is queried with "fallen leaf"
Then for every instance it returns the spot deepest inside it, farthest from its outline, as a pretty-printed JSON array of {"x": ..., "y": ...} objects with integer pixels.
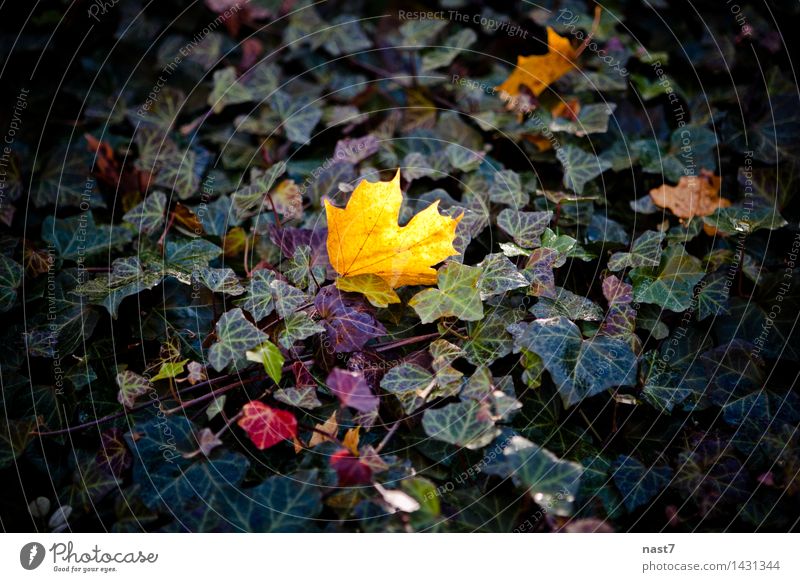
[
  {"x": 351, "y": 440},
  {"x": 365, "y": 237},
  {"x": 329, "y": 427},
  {"x": 693, "y": 196},
  {"x": 537, "y": 72},
  {"x": 376, "y": 290},
  {"x": 267, "y": 426}
]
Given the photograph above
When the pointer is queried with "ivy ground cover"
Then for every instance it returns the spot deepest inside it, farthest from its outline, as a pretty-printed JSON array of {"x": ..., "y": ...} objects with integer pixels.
[{"x": 283, "y": 266}]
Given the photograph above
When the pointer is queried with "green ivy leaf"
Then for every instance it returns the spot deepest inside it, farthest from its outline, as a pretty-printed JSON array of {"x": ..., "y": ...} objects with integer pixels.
[
  {"x": 219, "y": 280},
  {"x": 235, "y": 335},
  {"x": 270, "y": 355},
  {"x": 580, "y": 368},
  {"x": 645, "y": 252},
  {"x": 78, "y": 237},
  {"x": 524, "y": 227},
  {"x": 672, "y": 285},
  {"x": 552, "y": 482},
  {"x": 499, "y": 276},
  {"x": 457, "y": 295},
  {"x": 297, "y": 327},
  {"x": 10, "y": 280},
  {"x": 464, "y": 424},
  {"x": 443, "y": 56},
  {"x": 580, "y": 167},
  {"x": 148, "y": 216}
]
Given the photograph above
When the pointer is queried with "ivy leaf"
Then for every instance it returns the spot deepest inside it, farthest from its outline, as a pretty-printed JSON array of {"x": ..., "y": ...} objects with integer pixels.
[
  {"x": 235, "y": 335},
  {"x": 271, "y": 357},
  {"x": 444, "y": 55},
  {"x": 580, "y": 167},
  {"x": 251, "y": 197},
  {"x": 127, "y": 277},
  {"x": 259, "y": 300},
  {"x": 645, "y": 252},
  {"x": 592, "y": 118},
  {"x": 712, "y": 298},
  {"x": 620, "y": 320},
  {"x": 267, "y": 426},
  {"x": 488, "y": 339},
  {"x": 672, "y": 285},
  {"x": 169, "y": 370},
  {"x": 348, "y": 322},
  {"x": 78, "y": 237},
  {"x": 219, "y": 280},
  {"x": 539, "y": 272},
  {"x": 638, "y": 484},
  {"x": 568, "y": 304},
  {"x": 352, "y": 390},
  {"x": 10, "y": 280},
  {"x": 287, "y": 298},
  {"x": 524, "y": 227},
  {"x": 745, "y": 218},
  {"x": 182, "y": 258},
  {"x": 457, "y": 296},
  {"x": 296, "y": 327},
  {"x": 350, "y": 470},
  {"x": 298, "y": 115},
  {"x": 408, "y": 382},
  {"x": 552, "y": 482},
  {"x": 148, "y": 216},
  {"x": 305, "y": 397},
  {"x": 406, "y": 378},
  {"x": 464, "y": 424},
  {"x": 499, "y": 275},
  {"x": 580, "y": 368},
  {"x": 507, "y": 189},
  {"x": 301, "y": 269},
  {"x": 375, "y": 289},
  {"x": 130, "y": 386}
]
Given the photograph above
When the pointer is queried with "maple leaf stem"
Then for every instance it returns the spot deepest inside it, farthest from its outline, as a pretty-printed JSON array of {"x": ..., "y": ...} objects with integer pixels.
[{"x": 590, "y": 36}]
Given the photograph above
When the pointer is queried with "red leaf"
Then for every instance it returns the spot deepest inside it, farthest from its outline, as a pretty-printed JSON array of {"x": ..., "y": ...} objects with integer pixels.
[
  {"x": 349, "y": 468},
  {"x": 267, "y": 426}
]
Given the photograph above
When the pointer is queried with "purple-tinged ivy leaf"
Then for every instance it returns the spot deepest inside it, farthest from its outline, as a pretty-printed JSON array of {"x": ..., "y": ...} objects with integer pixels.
[
  {"x": 349, "y": 322},
  {"x": 352, "y": 390},
  {"x": 621, "y": 318}
]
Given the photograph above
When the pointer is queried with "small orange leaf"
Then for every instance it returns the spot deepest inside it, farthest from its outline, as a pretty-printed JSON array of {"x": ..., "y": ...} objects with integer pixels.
[
  {"x": 537, "y": 72},
  {"x": 364, "y": 237},
  {"x": 188, "y": 219},
  {"x": 693, "y": 196},
  {"x": 351, "y": 440}
]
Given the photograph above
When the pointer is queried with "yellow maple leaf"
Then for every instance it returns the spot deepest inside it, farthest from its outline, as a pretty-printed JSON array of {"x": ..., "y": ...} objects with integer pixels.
[
  {"x": 537, "y": 72},
  {"x": 365, "y": 237},
  {"x": 693, "y": 196}
]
